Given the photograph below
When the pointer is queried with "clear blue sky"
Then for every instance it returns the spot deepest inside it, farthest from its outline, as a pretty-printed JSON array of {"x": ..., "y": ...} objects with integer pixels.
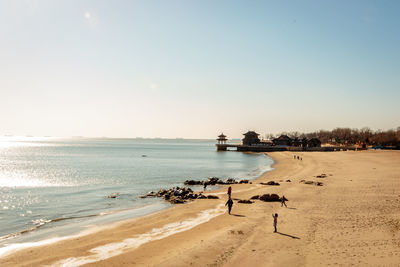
[{"x": 195, "y": 68}]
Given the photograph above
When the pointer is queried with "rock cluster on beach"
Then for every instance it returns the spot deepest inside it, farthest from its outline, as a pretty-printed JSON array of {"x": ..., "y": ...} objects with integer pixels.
[
  {"x": 270, "y": 183},
  {"x": 178, "y": 195},
  {"x": 267, "y": 197},
  {"x": 215, "y": 181},
  {"x": 312, "y": 182},
  {"x": 264, "y": 197}
]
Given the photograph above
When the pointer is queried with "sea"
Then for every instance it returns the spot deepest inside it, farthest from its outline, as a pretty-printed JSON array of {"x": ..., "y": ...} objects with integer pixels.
[{"x": 52, "y": 187}]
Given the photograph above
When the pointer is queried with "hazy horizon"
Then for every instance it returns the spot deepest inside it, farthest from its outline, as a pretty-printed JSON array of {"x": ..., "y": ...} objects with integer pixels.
[
  {"x": 186, "y": 69},
  {"x": 262, "y": 135}
]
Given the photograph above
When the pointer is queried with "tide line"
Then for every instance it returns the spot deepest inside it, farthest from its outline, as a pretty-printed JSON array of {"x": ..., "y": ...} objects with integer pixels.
[{"x": 114, "y": 249}]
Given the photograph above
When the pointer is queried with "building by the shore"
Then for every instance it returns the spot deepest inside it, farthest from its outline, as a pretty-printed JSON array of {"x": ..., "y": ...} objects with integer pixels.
[
  {"x": 252, "y": 143},
  {"x": 251, "y": 138},
  {"x": 283, "y": 140}
]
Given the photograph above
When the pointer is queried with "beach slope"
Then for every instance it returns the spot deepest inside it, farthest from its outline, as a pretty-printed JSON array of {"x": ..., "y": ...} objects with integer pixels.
[{"x": 352, "y": 219}]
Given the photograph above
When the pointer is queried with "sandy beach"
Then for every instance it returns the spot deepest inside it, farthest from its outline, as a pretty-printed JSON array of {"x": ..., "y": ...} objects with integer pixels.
[{"x": 353, "y": 219}]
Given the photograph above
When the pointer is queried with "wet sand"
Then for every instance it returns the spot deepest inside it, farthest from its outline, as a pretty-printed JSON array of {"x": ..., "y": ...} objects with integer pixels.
[{"x": 353, "y": 219}]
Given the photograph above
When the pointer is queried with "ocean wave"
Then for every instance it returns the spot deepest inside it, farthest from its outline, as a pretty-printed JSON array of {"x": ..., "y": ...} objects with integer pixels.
[{"x": 41, "y": 222}]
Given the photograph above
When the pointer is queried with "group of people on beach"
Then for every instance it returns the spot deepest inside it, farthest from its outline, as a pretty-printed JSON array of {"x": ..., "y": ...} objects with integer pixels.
[
  {"x": 297, "y": 157},
  {"x": 229, "y": 203}
]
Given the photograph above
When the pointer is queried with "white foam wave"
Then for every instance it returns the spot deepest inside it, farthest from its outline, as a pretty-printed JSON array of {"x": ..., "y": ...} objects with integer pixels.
[
  {"x": 18, "y": 246},
  {"x": 114, "y": 249}
]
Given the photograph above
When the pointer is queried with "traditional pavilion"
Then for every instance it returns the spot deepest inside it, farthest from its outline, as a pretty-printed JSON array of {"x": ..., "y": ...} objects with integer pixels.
[
  {"x": 222, "y": 139},
  {"x": 250, "y": 138}
]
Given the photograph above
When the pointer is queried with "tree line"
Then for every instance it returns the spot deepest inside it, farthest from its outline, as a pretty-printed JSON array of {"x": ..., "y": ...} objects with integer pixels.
[{"x": 348, "y": 136}]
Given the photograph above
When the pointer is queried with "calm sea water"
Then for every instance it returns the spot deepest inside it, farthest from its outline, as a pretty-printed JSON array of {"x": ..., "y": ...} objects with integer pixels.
[{"x": 52, "y": 187}]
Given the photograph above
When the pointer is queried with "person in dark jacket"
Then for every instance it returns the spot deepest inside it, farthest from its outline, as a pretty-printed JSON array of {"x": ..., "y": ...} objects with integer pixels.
[
  {"x": 229, "y": 191},
  {"x": 275, "y": 221},
  {"x": 283, "y": 201},
  {"x": 230, "y": 204}
]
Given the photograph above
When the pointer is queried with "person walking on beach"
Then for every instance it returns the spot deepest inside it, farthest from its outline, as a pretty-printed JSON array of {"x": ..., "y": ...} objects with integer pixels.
[
  {"x": 229, "y": 192},
  {"x": 283, "y": 201},
  {"x": 230, "y": 204},
  {"x": 275, "y": 220},
  {"x": 205, "y": 186}
]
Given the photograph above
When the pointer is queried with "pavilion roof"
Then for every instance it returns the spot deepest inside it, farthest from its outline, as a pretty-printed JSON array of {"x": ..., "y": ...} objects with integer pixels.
[
  {"x": 283, "y": 137},
  {"x": 251, "y": 132}
]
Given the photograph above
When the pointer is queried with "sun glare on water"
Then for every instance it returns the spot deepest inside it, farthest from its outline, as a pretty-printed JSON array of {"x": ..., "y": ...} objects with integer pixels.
[{"x": 19, "y": 141}]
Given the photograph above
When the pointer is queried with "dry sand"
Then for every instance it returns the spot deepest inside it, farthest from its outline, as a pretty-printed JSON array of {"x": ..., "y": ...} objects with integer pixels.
[{"x": 353, "y": 219}]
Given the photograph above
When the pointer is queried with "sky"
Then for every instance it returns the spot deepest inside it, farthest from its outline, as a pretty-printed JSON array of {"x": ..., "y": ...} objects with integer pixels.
[{"x": 194, "y": 69}]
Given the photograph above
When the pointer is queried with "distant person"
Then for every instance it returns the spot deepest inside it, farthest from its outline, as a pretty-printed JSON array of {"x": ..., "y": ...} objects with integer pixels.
[
  {"x": 294, "y": 156},
  {"x": 275, "y": 220},
  {"x": 283, "y": 201},
  {"x": 301, "y": 158},
  {"x": 230, "y": 204},
  {"x": 205, "y": 186},
  {"x": 229, "y": 191},
  {"x": 298, "y": 157}
]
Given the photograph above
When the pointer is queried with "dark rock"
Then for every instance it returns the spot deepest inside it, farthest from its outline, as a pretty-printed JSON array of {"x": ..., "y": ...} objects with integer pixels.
[
  {"x": 244, "y": 201},
  {"x": 201, "y": 197},
  {"x": 275, "y": 197},
  {"x": 213, "y": 180},
  {"x": 192, "y": 182},
  {"x": 177, "y": 201},
  {"x": 230, "y": 181},
  {"x": 270, "y": 198},
  {"x": 288, "y": 181},
  {"x": 255, "y": 197},
  {"x": 151, "y": 194},
  {"x": 319, "y": 184},
  {"x": 244, "y": 182},
  {"x": 270, "y": 183},
  {"x": 113, "y": 195},
  {"x": 161, "y": 192},
  {"x": 309, "y": 182},
  {"x": 212, "y": 197}
]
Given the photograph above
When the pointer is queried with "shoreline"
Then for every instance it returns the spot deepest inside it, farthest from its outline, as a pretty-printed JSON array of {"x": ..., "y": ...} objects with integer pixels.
[
  {"x": 317, "y": 219},
  {"x": 89, "y": 227}
]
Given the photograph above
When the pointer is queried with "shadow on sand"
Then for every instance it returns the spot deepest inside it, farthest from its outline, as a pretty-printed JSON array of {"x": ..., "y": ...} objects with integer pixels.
[
  {"x": 291, "y": 208},
  {"x": 292, "y": 236},
  {"x": 238, "y": 215}
]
